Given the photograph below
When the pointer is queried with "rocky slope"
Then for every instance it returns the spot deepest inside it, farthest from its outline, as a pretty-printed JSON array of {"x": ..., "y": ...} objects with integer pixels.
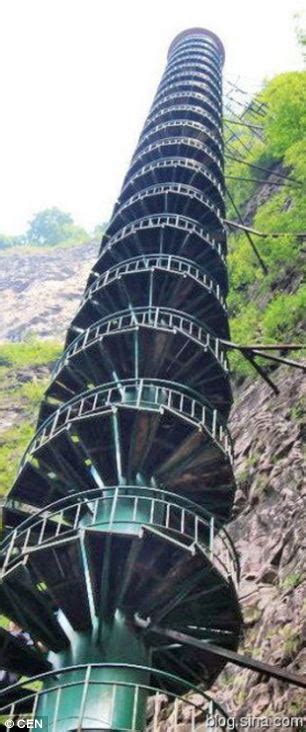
[
  {"x": 40, "y": 291},
  {"x": 269, "y": 533},
  {"x": 39, "y": 294}
]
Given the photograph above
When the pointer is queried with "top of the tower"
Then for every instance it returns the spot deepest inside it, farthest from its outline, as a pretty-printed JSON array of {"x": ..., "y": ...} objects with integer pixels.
[{"x": 189, "y": 32}]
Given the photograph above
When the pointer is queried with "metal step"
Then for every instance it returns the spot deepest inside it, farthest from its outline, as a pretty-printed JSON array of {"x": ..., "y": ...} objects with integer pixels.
[
  {"x": 29, "y": 607},
  {"x": 168, "y": 289},
  {"x": 144, "y": 352},
  {"x": 168, "y": 444},
  {"x": 155, "y": 575},
  {"x": 60, "y": 567},
  {"x": 179, "y": 235}
]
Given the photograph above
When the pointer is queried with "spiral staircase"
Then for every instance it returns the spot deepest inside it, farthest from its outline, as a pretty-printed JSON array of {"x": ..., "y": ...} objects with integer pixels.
[{"x": 118, "y": 510}]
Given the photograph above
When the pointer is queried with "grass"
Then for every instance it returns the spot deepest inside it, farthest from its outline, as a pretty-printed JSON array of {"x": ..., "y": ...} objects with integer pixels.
[
  {"x": 298, "y": 411},
  {"x": 291, "y": 581},
  {"x": 13, "y": 443},
  {"x": 29, "y": 353},
  {"x": 21, "y": 397}
]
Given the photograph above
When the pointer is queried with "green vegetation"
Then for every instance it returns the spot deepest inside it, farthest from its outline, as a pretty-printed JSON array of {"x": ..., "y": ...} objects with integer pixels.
[
  {"x": 49, "y": 228},
  {"x": 52, "y": 226},
  {"x": 291, "y": 581},
  {"x": 24, "y": 378},
  {"x": 251, "y": 615},
  {"x": 30, "y": 352},
  {"x": 13, "y": 443},
  {"x": 270, "y": 308},
  {"x": 298, "y": 411},
  {"x": 291, "y": 638}
]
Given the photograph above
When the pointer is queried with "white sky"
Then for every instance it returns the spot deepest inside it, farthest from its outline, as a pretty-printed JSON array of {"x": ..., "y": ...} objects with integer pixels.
[{"x": 78, "y": 77}]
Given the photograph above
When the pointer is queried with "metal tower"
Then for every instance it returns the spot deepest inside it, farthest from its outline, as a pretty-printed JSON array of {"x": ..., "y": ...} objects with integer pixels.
[{"x": 116, "y": 519}]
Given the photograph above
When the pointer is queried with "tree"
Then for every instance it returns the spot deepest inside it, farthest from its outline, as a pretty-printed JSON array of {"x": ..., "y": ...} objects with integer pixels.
[
  {"x": 300, "y": 35},
  {"x": 99, "y": 230},
  {"x": 10, "y": 241},
  {"x": 285, "y": 121},
  {"x": 6, "y": 241},
  {"x": 52, "y": 226}
]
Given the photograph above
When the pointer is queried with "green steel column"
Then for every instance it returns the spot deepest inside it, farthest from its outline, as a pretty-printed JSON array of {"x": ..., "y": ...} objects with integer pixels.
[{"x": 109, "y": 695}]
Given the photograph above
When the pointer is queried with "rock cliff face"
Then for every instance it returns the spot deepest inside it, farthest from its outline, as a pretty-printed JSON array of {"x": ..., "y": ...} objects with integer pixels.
[
  {"x": 39, "y": 295},
  {"x": 269, "y": 532},
  {"x": 40, "y": 291}
]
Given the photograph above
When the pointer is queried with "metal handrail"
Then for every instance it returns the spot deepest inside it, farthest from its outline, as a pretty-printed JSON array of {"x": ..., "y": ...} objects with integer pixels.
[
  {"x": 162, "y": 220},
  {"x": 164, "y": 262},
  {"x": 196, "y": 43},
  {"x": 200, "y": 50},
  {"x": 186, "y": 108},
  {"x": 197, "y": 75},
  {"x": 211, "y": 707},
  {"x": 183, "y": 140},
  {"x": 114, "y": 393},
  {"x": 198, "y": 65},
  {"x": 184, "y": 94},
  {"x": 166, "y": 162},
  {"x": 180, "y": 122},
  {"x": 171, "y": 187},
  {"x": 198, "y": 78},
  {"x": 195, "y": 37},
  {"x": 199, "y": 53},
  {"x": 162, "y": 188},
  {"x": 92, "y": 493},
  {"x": 199, "y": 70},
  {"x": 194, "y": 57},
  {"x": 147, "y": 317},
  {"x": 194, "y": 85},
  {"x": 84, "y": 497},
  {"x": 181, "y": 67},
  {"x": 203, "y": 531}
]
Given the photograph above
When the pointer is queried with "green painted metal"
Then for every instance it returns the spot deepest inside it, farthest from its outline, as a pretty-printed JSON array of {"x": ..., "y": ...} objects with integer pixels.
[
  {"x": 119, "y": 513},
  {"x": 130, "y": 472},
  {"x": 95, "y": 703},
  {"x": 86, "y": 680}
]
